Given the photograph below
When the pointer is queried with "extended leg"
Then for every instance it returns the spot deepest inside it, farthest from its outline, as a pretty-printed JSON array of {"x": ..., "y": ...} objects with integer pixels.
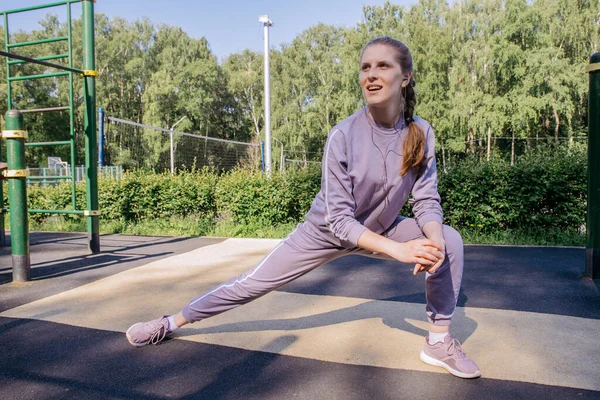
[{"x": 296, "y": 255}]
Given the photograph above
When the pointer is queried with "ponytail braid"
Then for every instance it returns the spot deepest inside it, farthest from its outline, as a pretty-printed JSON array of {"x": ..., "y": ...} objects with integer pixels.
[{"x": 413, "y": 150}]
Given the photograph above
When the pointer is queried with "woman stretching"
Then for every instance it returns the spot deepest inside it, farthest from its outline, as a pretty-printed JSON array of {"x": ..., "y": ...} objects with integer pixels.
[{"x": 373, "y": 161}]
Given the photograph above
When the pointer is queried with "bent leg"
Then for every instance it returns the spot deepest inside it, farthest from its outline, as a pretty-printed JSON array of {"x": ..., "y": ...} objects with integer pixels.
[
  {"x": 441, "y": 287},
  {"x": 296, "y": 255}
]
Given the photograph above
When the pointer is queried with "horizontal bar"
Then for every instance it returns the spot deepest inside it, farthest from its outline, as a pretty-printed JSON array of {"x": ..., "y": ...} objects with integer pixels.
[
  {"x": 57, "y": 143},
  {"x": 59, "y": 3},
  {"x": 44, "y": 63},
  {"x": 167, "y": 131},
  {"x": 26, "y": 77},
  {"x": 80, "y": 212},
  {"x": 42, "y": 178},
  {"x": 34, "y": 110},
  {"x": 55, "y": 57},
  {"x": 41, "y": 41}
]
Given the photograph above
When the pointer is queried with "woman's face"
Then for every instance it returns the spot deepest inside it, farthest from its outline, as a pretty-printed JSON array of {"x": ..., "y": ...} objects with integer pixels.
[{"x": 381, "y": 76}]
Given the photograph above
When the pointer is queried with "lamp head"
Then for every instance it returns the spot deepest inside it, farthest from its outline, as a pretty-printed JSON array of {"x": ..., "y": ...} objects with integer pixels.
[{"x": 265, "y": 20}]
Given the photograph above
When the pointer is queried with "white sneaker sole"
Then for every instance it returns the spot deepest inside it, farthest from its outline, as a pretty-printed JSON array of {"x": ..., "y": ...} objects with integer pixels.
[
  {"x": 437, "y": 363},
  {"x": 129, "y": 337}
]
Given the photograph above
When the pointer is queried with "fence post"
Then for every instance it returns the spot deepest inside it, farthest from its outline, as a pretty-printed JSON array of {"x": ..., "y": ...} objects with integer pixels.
[
  {"x": 592, "y": 248},
  {"x": 17, "y": 193},
  {"x": 262, "y": 154}
]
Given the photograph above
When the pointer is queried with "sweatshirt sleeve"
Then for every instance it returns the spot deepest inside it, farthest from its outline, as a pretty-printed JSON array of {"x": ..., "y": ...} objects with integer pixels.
[
  {"x": 426, "y": 199},
  {"x": 337, "y": 187}
]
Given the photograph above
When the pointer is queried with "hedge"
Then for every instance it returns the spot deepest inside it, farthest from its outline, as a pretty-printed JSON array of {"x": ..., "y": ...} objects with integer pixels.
[{"x": 546, "y": 188}]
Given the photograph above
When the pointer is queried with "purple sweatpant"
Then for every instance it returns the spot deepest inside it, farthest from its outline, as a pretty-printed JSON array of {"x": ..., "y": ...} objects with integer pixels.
[{"x": 303, "y": 250}]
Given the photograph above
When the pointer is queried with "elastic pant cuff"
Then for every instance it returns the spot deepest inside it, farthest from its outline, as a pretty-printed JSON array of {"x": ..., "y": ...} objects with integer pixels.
[
  {"x": 440, "y": 322},
  {"x": 186, "y": 314}
]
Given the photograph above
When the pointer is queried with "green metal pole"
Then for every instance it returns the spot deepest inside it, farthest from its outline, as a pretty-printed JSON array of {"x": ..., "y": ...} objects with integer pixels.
[
  {"x": 72, "y": 111},
  {"x": 17, "y": 194},
  {"x": 9, "y": 103},
  {"x": 2, "y": 233},
  {"x": 91, "y": 145},
  {"x": 592, "y": 267}
]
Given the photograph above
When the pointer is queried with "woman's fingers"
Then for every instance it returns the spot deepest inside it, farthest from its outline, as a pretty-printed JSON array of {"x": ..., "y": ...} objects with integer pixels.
[
  {"x": 428, "y": 254},
  {"x": 432, "y": 254},
  {"x": 418, "y": 268},
  {"x": 431, "y": 243},
  {"x": 424, "y": 262},
  {"x": 435, "y": 266}
]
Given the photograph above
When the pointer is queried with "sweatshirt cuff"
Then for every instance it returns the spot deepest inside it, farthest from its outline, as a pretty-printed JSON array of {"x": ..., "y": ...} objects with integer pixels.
[
  {"x": 355, "y": 233},
  {"x": 421, "y": 221}
]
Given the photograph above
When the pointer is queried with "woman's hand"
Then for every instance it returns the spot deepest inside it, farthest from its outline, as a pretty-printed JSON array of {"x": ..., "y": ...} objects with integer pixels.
[
  {"x": 423, "y": 252},
  {"x": 419, "y": 267},
  {"x": 427, "y": 254}
]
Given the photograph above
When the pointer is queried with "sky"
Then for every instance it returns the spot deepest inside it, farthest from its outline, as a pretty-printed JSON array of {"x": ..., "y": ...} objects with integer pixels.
[{"x": 230, "y": 26}]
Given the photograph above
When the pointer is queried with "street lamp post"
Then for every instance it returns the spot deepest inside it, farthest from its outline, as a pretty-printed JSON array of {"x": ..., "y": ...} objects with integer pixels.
[
  {"x": 172, "y": 145},
  {"x": 264, "y": 19}
]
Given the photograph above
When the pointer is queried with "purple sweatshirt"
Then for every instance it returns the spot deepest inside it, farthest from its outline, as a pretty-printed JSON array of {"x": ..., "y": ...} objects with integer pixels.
[{"x": 361, "y": 186}]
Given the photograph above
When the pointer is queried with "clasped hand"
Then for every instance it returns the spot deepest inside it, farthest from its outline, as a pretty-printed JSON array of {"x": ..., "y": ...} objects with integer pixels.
[{"x": 426, "y": 254}]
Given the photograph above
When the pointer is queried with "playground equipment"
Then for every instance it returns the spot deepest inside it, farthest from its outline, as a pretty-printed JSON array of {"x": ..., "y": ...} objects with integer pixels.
[
  {"x": 593, "y": 214},
  {"x": 16, "y": 135}
]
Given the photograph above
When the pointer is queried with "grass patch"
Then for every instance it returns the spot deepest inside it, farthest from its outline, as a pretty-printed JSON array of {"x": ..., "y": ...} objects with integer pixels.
[
  {"x": 252, "y": 230},
  {"x": 226, "y": 228},
  {"x": 58, "y": 224},
  {"x": 530, "y": 237},
  {"x": 160, "y": 227},
  {"x": 175, "y": 226}
]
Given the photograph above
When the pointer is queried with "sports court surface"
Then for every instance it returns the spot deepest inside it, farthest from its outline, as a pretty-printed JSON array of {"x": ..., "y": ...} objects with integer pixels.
[{"x": 352, "y": 329}]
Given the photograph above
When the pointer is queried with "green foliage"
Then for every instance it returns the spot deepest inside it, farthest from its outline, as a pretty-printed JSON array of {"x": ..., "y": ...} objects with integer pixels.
[
  {"x": 142, "y": 195},
  {"x": 544, "y": 191},
  {"x": 546, "y": 188},
  {"x": 486, "y": 70},
  {"x": 244, "y": 196}
]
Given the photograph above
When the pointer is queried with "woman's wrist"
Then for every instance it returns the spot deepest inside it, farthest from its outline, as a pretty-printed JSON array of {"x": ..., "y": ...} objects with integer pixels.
[
  {"x": 433, "y": 231},
  {"x": 371, "y": 241}
]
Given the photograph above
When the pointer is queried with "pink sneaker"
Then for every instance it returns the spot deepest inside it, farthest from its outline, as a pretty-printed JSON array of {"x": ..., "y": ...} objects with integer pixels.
[
  {"x": 151, "y": 332},
  {"x": 450, "y": 355}
]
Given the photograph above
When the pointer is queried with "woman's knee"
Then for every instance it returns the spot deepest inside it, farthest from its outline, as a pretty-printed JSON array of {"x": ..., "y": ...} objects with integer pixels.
[{"x": 454, "y": 242}]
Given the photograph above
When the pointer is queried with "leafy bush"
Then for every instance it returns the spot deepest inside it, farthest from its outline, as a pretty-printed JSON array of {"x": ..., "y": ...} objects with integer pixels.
[
  {"x": 249, "y": 196},
  {"x": 140, "y": 195},
  {"x": 544, "y": 189}
]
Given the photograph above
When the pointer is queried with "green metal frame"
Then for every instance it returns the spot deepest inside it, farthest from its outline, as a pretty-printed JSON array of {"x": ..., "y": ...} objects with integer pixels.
[
  {"x": 88, "y": 74},
  {"x": 593, "y": 211},
  {"x": 17, "y": 189}
]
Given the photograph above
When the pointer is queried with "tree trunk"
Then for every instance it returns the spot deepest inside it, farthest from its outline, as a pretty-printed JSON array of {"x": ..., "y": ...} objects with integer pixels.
[
  {"x": 512, "y": 149},
  {"x": 471, "y": 137},
  {"x": 557, "y": 126},
  {"x": 444, "y": 156},
  {"x": 571, "y": 136},
  {"x": 489, "y": 142}
]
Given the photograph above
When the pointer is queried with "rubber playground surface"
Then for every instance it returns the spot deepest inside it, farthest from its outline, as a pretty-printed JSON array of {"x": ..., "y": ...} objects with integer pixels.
[{"x": 352, "y": 329}]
